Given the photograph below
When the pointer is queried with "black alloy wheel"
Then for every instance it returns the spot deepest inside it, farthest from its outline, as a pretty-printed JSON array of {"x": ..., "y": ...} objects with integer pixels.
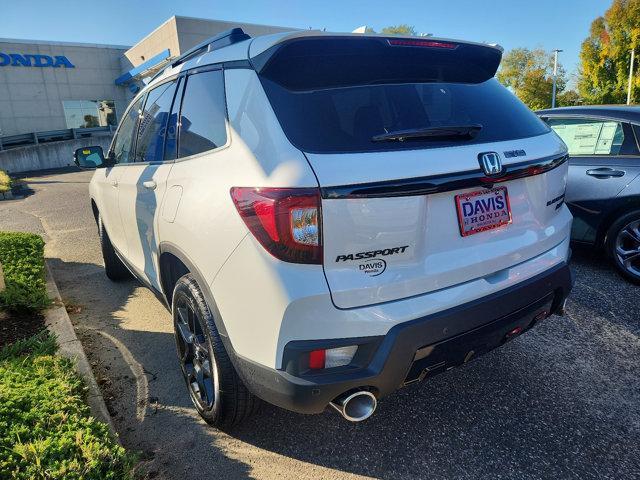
[
  {"x": 196, "y": 361},
  {"x": 623, "y": 245},
  {"x": 627, "y": 248},
  {"x": 214, "y": 386}
]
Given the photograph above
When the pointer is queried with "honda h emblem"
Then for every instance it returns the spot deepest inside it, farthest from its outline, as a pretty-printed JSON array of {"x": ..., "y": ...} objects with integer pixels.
[{"x": 490, "y": 163}]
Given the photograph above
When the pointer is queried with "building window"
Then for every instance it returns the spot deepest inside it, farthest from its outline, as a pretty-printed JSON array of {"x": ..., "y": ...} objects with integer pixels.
[{"x": 89, "y": 113}]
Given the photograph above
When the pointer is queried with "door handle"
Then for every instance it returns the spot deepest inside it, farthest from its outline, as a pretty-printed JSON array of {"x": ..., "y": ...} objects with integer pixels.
[
  {"x": 605, "y": 172},
  {"x": 114, "y": 183},
  {"x": 149, "y": 185}
]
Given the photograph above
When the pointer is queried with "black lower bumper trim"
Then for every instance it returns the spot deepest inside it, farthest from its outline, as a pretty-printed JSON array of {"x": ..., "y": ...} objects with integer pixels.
[
  {"x": 419, "y": 348},
  {"x": 436, "y": 358}
]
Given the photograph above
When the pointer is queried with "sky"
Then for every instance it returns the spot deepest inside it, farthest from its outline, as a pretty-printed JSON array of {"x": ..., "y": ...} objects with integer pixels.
[{"x": 549, "y": 24}]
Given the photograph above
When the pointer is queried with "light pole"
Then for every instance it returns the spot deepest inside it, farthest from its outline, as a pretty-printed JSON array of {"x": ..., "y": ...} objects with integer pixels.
[
  {"x": 633, "y": 56},
  {"x": 555, "y": 74}
]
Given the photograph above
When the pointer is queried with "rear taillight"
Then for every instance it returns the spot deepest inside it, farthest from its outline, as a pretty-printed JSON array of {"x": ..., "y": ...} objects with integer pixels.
[{"x": 286, "y": 221}]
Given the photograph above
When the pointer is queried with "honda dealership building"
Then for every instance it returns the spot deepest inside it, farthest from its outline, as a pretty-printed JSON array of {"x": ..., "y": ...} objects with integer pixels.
[{"x": 49, "y": 86}]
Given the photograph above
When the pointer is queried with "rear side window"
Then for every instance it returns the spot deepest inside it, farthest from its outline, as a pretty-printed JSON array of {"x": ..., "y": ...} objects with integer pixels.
[
  {"x": 153, "y": 123},
  {"x": 335, "y": 95},
  {"x": 123, "y": 144},
  {"x": 585, "y": 136},
  {"x": 203, "y": 114}
]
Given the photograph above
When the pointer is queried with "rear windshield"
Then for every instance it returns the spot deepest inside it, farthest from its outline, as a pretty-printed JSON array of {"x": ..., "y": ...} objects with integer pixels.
[{"x": 327, "y": 104}]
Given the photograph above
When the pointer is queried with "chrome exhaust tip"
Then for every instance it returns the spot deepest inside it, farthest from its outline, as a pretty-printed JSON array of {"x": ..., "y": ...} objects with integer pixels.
[
  {"x": 562, "y": 310},
  {"x": 357, "y": 406}
]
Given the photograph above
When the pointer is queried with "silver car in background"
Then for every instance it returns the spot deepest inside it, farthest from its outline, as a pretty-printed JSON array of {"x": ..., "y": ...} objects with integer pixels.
[{"x": 603, "y": 189}]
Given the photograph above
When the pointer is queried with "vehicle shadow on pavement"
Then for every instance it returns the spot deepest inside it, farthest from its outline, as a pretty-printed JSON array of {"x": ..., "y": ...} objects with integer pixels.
[
  {"x": 139, "y": 375},
  {"x": 560, "y": 401}
]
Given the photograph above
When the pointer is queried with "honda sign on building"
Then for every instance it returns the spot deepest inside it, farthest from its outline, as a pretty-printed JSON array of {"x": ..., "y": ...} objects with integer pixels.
[{"x": 22, "y": 60}]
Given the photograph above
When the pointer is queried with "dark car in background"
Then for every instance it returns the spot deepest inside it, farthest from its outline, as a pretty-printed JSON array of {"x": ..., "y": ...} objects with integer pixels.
[{"x": 603, "y": 188}]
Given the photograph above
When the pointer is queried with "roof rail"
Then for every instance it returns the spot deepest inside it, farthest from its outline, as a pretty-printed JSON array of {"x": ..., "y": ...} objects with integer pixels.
[{"x": 221, "y": 40}]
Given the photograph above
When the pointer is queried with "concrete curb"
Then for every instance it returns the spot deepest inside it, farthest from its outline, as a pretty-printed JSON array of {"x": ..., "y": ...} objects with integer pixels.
[{"x": 59, "y": 323}]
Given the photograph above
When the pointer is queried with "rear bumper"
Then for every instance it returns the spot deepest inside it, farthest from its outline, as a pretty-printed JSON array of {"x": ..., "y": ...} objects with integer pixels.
[{"x": 413, "y": 350}]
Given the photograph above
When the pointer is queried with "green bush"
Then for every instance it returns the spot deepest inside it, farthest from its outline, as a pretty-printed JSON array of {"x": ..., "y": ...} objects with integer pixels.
[
  {"x": 22, "y": 259},
  {"x": 5, "y": 182},
  {"x": 46, "y": 431}
]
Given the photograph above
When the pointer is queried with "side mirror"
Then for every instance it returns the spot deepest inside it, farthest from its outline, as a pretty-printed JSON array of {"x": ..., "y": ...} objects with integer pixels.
[{"x": 89, "y": 158}]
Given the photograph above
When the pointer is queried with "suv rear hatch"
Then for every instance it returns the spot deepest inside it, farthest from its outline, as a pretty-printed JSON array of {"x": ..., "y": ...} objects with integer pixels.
[{"x": 402, "y": 135}]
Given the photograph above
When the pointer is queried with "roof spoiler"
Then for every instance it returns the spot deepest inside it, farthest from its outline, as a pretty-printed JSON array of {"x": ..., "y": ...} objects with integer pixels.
[
  {"x": 302, "y": 62},
  {"x": 265, "y": 42}
]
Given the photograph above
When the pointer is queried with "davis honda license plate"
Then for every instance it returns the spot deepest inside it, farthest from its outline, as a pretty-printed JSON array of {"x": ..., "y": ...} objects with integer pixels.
[{"x": 483, "y": 210}]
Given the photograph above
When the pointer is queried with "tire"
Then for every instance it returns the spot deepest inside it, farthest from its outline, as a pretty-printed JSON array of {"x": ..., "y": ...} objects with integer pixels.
[
  {"x": 113, "y": 266},
  {"x": 214, "y": 386},
  {"x": 623, "y": 245}
]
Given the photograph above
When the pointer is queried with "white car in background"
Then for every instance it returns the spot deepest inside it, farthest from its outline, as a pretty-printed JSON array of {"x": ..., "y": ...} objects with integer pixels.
[{"x": 331, "y": 217}]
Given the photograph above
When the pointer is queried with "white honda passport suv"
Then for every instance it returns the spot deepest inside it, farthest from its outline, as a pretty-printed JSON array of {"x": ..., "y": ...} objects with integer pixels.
[{"x": 330, "y": 217}]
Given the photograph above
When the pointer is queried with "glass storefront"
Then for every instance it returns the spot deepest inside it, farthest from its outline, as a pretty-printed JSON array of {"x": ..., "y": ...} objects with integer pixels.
[{"x": 89, "y": 113}]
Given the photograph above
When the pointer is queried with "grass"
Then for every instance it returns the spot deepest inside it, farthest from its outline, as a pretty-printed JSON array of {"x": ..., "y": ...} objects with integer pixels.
[
  {"x": 41, "y": 344},
  {"x": 22, "y": 259},
  {"x": 46, "y": 430},
  {"x": 46, "y": 427},
  {"x": 5, "y": 182}
]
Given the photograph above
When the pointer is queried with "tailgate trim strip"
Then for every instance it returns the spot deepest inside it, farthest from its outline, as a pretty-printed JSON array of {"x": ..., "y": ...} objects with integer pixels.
[{"x": 442, "y": 183}]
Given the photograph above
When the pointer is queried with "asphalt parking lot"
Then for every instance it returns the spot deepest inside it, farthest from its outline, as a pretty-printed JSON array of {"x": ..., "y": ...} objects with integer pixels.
[{"x": 562, "y": 401}]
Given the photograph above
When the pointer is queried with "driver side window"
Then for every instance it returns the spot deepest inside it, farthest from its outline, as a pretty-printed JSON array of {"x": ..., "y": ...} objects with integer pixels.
[{"x": 123, "y": 145}]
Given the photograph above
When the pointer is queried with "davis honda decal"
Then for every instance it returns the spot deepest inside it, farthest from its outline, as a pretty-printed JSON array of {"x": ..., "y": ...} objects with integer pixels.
[{"x": 371, "y": 265}]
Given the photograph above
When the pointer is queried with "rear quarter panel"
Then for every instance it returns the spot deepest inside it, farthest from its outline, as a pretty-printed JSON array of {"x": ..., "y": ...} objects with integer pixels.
[{"x": 206, "y": 225}]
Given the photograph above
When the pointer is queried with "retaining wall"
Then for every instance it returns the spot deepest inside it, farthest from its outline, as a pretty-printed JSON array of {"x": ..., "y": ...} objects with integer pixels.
[{"x": 45, "y": 156}]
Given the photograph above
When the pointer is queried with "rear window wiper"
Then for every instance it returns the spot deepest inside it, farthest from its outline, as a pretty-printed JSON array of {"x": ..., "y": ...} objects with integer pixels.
[{"x": 452, "y": 131}]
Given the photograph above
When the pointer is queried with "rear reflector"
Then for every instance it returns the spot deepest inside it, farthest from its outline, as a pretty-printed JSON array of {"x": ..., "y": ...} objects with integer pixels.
[
  {"x": 513, "y": 333},
  {"x": 317, "y": 359},
  {"x": 286, "y": 221}
]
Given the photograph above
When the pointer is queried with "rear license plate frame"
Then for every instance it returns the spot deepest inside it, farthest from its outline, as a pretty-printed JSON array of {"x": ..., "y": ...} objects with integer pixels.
[{"x": 505, "y": 219}]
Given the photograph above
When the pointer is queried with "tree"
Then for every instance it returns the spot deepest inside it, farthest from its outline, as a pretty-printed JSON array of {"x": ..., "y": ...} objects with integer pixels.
[
  {"x": 605, "y": 55},
  {"x": 529, "y": 73},
  {"x": 568, "y": 98},
  {"x": 403, "y": 29}
]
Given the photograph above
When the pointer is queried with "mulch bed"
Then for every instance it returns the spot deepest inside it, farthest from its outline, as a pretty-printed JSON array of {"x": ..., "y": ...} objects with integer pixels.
[{"x": 14, "y": 327}]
